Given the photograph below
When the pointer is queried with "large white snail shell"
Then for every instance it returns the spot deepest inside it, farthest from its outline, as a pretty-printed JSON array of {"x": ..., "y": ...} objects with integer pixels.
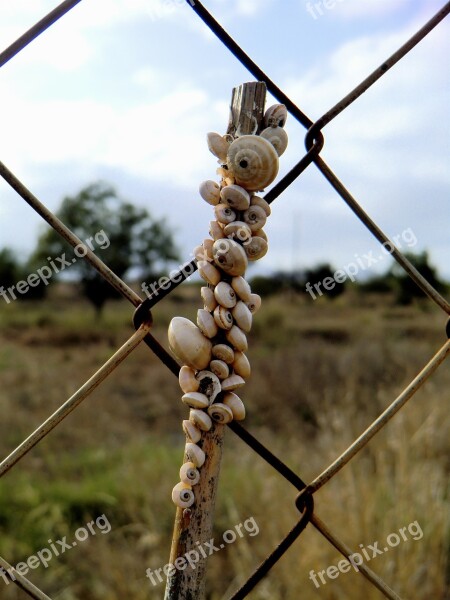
[
  {"x": 182, "y": 495},
  {"x": 253, "y": 162},
  {"x": 189, "y": 344},
  {"x": 209, "y": 384},
  {"x": 221, "y": 413},
  {"x": 187, "y": 380},
  {"x": 193, "y": 434},
  {"x": 218, "y": 145},
  {"x": 194, "y": 454},
  {"x": 275, "y": 116},
  {"x": 225, "y": 295},
  {"x": 277, "y": 137},
  {"x": 230, "y": 257},
  {"x": 210, "y": 192},
  {"x": 189, "y": 474},
  {"x": 200, "y": 419},
  {"x": 235, "y": 196},
  {"x": 235, "y": 403}
]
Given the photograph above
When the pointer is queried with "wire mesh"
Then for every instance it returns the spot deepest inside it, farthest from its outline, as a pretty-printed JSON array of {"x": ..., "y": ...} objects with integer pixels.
[{"x": 142, "y": 318}]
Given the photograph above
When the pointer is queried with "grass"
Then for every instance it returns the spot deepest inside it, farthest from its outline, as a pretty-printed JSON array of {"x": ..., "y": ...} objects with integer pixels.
[{"x": 321, "y": 373}]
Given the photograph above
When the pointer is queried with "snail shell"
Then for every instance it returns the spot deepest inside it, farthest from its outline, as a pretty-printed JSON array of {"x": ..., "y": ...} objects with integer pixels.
[
  {"x": 208, "y": 297},
  {"x": 207, "y": 245},
  {"x": 236, "y": 197},
  {"x": 253, "y": 162},
  {"x": 224, "y": 214},
  {"x": 256, "y": 248},
  {"x": 277, "y": 137},
  {"x": 258, "y": 201},
  {"x": 242, "y": 288},
  {"x": 182, "y": 495},
  {"x": 199, "y": 253},
  {"x": 194, "y": 454},
  {"x": 192, "y": 432},
  {"x": 200, "y": 419},
  {"x": 206, "y": 323},
  {"x": 275, "y": 116},
  {"x": 189, "y": 344},
  {"x": 209, "y": 272},
  {"x": 235, "y": 403},
  {"x": 223, "y": 317},
  {"x": 210, "y": 192},
  {"x": 216, "y": 231},
  {"x": 225, "y": 295},
  {"x": 209, "y": 384},
  {"x": 242, "y": 316},
  {"x": 255, "y": 217},
  {"x": 238, "y": 230},
  {"x": 230, "y": 257},
  {"x": 223, "y": 352},
  {"x": 254, "y": 304},
  {"x": 261, "y": 233},
  {"x": 233, "y": 382},
  {"x": 219, "y": 368},
  {"x": 220, "y": 413},
  {"x": 187, "y": 380},
  {"x": 218, "y": 145},
  {"x": 241, "y": 365},
  {"x": 195, "y": 400},
  {"x": 237, "y": 338},
  {"x": 189, "y": 473}
]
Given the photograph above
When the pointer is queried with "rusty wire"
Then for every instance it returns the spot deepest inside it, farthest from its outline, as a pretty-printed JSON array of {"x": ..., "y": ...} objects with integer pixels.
[{"x": 142, "y": 317}]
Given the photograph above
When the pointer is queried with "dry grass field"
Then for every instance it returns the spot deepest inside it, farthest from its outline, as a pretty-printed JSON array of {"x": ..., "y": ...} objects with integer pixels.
[{"x": 321, "y": 373}]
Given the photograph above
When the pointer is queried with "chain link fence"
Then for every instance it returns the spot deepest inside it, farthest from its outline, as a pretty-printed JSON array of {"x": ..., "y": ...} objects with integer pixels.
[{"x": 142, "y": 319}]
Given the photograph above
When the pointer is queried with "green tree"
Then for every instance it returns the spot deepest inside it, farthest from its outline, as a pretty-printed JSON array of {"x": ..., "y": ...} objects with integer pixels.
[
  {"x": 9, "y": 268},
  {"x": 406, "y": 289},
  {"x": 125, "y": 237}
]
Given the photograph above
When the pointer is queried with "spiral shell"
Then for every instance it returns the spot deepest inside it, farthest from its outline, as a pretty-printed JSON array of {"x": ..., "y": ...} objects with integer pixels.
[
  {"x": 275, "y": 116},
  {"x": 260, "y": 233},
  {"x": 200, "y": 419},
  {"x": 223, "y": 317},
  {"x": 206, "y": 323},
  {"x": 192, "y": 432},
  {"x": 209, "y": 384},
  {"x": 189, "y": 344},
  {"x": 219, "y": 368},
  {"x": 223, "y": 352},
  {"x": 225, "y": 295},
  {"x": 235, "y": 403},
  {"x": 255, "y": 217},
  {"x": 235, "y": 196},
  {"x": 230, "y": 257},
  {"x": 238, "y": 230},
  {"x": 258, "y": 201},
  {"x": 254, "y": 303},
  {"x": 253, "y": 162},
  {"x": 277, "y": 137},
  {"x": 224, "y": 214},
  {"x": 220, "y": 413},
  {"x": 210, "y": 192},
  {"x": 216, "y": 231},
  {"x": 208, "y": 297},
  {"x": 209, "y": 272},
  {"x": 241, "y": 365},
  {"x": 233, "y": 382},
  {"x": 187, "y": 380},
  {"x": 237, "y": 338},
  {"x": 194, "y": 454},
  {"x": 182, "y": 495},
  {"x": 242, "y": 288},
  {"x": 195, "y": 400},
  {"x": 242, "y": 316},
  {"x": 256, "y": 248},
  {"x": 189, "y": 474},
  {"x": 218, "y": 145}
]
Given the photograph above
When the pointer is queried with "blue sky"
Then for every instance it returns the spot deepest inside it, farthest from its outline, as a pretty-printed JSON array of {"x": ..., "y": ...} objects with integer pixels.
[{"x": 126, "y": 92}]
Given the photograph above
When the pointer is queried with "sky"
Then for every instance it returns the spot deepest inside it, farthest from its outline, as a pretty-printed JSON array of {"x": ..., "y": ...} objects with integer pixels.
[{"x": 125, "y": 92}]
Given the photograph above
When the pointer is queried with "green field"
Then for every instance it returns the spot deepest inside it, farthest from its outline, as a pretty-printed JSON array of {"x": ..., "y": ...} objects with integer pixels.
[{"x": 321, "y": 373}]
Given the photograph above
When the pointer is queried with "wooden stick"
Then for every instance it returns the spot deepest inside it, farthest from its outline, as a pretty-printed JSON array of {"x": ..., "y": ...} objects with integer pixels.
[{"x": 193, "y": 526}]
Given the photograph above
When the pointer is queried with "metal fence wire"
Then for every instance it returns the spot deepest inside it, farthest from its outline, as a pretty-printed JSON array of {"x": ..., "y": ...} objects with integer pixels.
[{"x": 142, "y": 318}]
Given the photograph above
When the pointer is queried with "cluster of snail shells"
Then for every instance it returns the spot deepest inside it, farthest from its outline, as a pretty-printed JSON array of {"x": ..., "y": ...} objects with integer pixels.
[{"x": 213, "y": 350}]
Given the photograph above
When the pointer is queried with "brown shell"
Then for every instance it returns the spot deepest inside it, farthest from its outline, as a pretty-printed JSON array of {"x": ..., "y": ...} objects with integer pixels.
[
  {"x": 230, "y": 257},
  {"x": 253, "y": 162}
]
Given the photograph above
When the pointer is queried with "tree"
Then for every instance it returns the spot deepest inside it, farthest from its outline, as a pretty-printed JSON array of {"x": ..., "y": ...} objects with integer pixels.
[
  {"x": 125, "y": 237},
  {"x": 406, "y": 288},
  {"x": 323, "y": 275}
]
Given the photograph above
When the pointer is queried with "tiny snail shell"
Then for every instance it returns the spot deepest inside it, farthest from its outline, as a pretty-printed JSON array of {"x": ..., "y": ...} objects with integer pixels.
[
  {"x": 216, "y": 231},
  {"x": 200, "y": 419},
  {"x": 230, "y": 257},
  {"x": 195, "y": 400},
  {"x": 206, "y": 323},
  {"x": 209, "y": 384},
  {"x": 189, "y": 473},
  {"x": 223, "y": 317},
  {"x": 256, "y": 248},
  {"x": 237, "y": 338},
  {"x": 241, "y": 365},
  {"x": 208, "y": 297},
  {"x": 255, "y": 217},
  {"x": 238, "y": 230},
  {"x": 277, "y": 137},
  {"x": 207, "y": 245},
  {"x": 210, "y": 192},
  {"x": 199, "y": 253},
  {"x": 235, "y": 196},
  {"x": 209, "y": 272},
  {"x": 233, "y": 382},
  {"x": 224, "y": 295},
  {"x": 223, "y": 352},
  {"x": 192, "y": 432},
  {"x": 188, "y": 382},
  {"x": 254, "y": 304},
  {"x": 194, "y": 454},
  {"x": 253, "y": 162},
  {"x": 235, "y": 403},
  {"x": 242, "y": 288},
  {"x": 220, "y": 413},
  {"x": 258, "y": 201},
  {"x": 275, "y": 116},
  {"x": 219, "y": 368},
  {"x": 218, "y": 145},
  {"x": 224, "y": 214},
  {"x": 189, "y": 344},
  {"x": 242, "y": 316},
  {"x": 182, "y": 495},
  {"x": 260, "y": 233}
]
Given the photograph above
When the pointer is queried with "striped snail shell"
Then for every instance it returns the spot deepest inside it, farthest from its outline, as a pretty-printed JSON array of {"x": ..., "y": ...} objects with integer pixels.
[
  {"x": 182, "y": 495},
  {"x": 253, "y": 162}
]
